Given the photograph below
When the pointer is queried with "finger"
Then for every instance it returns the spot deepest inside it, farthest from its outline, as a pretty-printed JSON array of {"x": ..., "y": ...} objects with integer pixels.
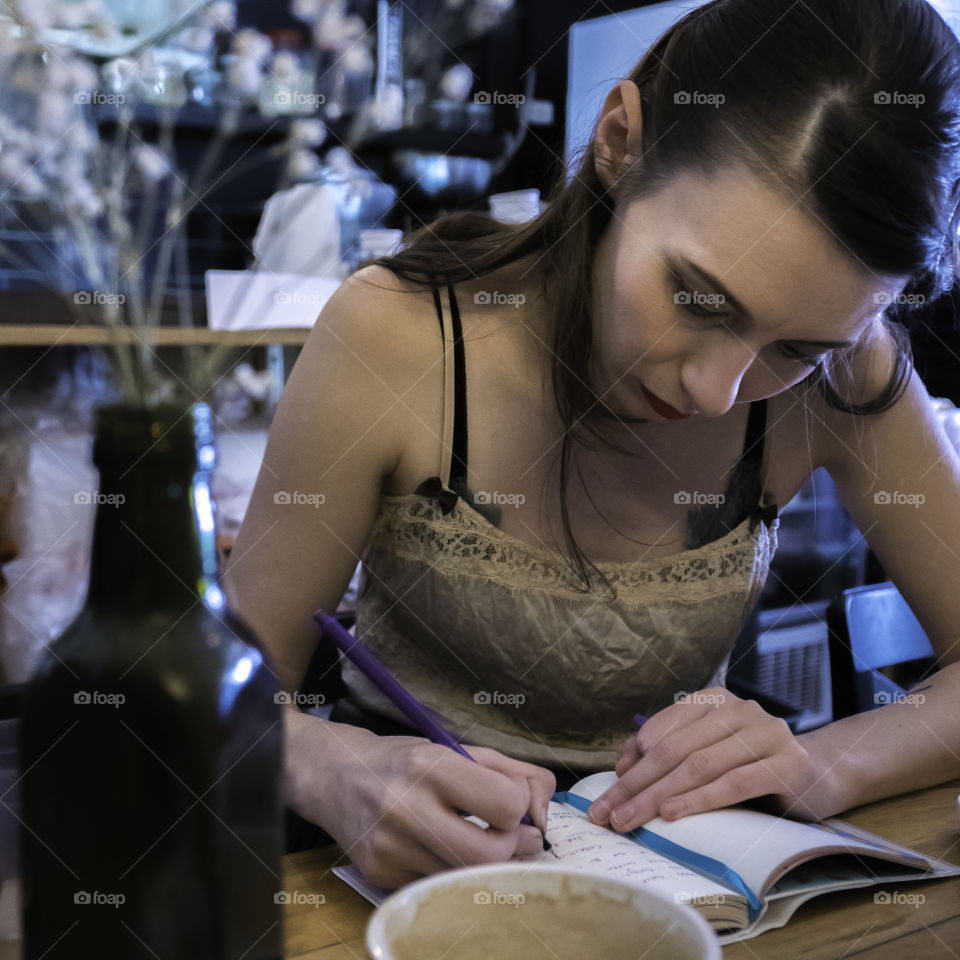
[
  {"x": 735, "y": 786},
  {"x": 539, "y": 783},
  {"x": 630, "y": 755},
  {"x": 665, "y": 755},
  {"x": 460, "y": 842},
  {"x": 700, "y": 768},
  {"x": 465, "y": 785},
  {"x": 530, "y": 843}
]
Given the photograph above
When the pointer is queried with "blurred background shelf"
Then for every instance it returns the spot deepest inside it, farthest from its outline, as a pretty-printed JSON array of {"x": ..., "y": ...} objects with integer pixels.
[{"x": 53, "y": 335}]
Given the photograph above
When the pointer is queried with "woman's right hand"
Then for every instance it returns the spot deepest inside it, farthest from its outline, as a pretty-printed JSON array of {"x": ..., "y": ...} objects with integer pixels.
[{"x": 395, "y": 804}]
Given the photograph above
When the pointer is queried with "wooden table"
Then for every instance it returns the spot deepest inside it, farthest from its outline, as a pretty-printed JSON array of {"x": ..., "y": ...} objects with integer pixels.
[{"x": 847, "y": 924}]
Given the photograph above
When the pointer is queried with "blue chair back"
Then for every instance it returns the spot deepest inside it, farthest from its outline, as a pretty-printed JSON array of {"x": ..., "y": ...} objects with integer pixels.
[{"x": 877, "y": 649}]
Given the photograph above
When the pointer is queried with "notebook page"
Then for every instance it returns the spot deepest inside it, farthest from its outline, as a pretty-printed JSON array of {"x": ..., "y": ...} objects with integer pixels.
[
  {"x": 586, "y": 846},
  {"x": 751, "y": 843}
]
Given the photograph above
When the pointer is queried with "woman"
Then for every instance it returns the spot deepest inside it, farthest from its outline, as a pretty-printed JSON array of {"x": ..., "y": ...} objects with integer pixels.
[{"x": 559, "y": 447}]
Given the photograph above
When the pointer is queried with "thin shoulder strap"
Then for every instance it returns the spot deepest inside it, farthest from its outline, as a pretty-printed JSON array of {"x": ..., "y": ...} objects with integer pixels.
[
  {"x": 446, "y": 441},
  {"x": 458, "y": 464},
  {"x": 752, "y": 460},
  {"x": 755, "y": 433},
  {"x": 453, "y": 455}
]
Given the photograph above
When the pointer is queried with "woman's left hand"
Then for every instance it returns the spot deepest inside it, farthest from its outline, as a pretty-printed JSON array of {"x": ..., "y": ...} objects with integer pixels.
[{"x": 710, "y": 750}]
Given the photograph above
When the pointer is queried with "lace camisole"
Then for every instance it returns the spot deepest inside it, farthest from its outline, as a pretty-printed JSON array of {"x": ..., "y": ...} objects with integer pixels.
[{"x": 499, "y": 637}]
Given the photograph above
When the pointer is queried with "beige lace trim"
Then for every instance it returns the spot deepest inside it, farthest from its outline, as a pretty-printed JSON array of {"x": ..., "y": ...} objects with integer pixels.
[{"x": 464, "y": 545}]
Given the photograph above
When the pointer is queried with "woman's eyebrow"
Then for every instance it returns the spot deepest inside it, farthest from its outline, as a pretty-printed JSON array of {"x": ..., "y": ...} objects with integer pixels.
[{"x": 728, "y": 297}]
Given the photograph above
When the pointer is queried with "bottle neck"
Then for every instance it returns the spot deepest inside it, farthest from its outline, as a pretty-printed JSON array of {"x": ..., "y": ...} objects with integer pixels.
[{"x": 154, "y": 545}]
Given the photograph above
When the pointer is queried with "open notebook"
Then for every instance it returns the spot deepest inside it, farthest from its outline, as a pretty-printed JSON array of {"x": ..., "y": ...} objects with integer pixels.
[{"x": 745, "y": 871}]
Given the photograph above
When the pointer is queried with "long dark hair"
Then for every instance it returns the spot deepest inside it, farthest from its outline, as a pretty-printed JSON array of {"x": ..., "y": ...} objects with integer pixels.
[{"x": 852, "y": 107}]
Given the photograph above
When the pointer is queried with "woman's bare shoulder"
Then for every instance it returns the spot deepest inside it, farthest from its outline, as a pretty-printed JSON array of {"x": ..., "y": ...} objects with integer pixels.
[
  {"x": 384, "y": 318},
  {"x": 380, "y": 287}
]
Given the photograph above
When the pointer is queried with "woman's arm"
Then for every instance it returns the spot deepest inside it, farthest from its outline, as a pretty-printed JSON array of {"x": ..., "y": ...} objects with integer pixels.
[
  {"x": 899, "y": 476},
  {"x": 334, "y": 439}
]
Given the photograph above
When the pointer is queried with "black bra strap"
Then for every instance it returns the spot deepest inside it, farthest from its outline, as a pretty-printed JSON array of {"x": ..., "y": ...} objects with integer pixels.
[
  {"x": 458, "y": 458},
  {"x": 752, "y": 466},
  {"x": 458, "y": 463},
  {"x": 755, "y": 434}
]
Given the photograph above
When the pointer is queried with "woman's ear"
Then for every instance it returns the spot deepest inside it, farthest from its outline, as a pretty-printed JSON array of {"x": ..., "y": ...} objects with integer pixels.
[{"x": 619, "y": 130}]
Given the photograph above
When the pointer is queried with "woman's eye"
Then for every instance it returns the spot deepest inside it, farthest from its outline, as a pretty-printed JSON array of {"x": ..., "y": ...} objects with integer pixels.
[
  {"x": 690, "y": 301},
  {"x": 809, "y": 359}
]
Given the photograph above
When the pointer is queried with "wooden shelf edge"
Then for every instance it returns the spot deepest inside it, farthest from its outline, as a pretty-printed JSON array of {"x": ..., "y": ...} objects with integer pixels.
[{"x": 53, "y": 335}]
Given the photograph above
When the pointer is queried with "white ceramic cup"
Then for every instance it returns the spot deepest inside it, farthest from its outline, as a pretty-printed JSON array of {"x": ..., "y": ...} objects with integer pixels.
[{"x": 671, "y": 930}]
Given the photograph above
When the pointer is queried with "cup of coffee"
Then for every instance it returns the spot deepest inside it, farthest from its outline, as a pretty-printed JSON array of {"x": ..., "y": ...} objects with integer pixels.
[{"x": 525, "y": 911}]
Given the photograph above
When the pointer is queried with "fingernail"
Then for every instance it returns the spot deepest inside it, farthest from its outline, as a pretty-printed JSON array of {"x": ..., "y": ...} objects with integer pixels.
[{"x": 596, "y": 812}]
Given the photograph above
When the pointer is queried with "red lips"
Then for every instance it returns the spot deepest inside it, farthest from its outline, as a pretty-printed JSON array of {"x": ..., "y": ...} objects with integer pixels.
[{"x": 661, "y": 407}]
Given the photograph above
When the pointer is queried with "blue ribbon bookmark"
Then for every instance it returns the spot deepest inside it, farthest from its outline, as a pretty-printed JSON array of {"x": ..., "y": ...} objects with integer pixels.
[{"x": 705, "y": 866}]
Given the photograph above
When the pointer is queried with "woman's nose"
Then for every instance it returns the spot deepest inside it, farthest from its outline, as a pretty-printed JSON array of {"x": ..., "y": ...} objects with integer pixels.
[{"x": 712, "y": 379}]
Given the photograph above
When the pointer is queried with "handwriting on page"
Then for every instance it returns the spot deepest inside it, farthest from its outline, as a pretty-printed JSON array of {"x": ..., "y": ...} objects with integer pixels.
[{"x": 586, "y": 846}]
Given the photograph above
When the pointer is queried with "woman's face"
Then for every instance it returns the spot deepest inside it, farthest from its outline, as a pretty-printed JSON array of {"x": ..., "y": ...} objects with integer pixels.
[{"x": 669, "y": 340}]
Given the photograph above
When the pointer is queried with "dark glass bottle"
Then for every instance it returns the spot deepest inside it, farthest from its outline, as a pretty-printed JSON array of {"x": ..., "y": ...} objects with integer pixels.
[{"x": 151, "y": 743}]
